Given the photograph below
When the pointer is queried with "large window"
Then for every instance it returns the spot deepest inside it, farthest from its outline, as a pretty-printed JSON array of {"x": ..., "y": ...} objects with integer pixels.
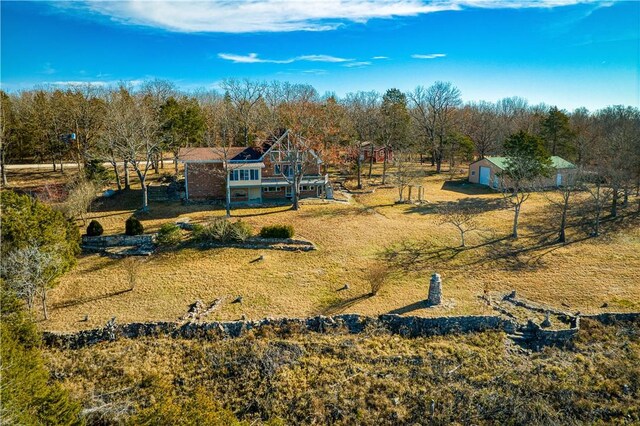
[
  {"x": 244, "y": 174},
  {"x": 287, "y": 170}
]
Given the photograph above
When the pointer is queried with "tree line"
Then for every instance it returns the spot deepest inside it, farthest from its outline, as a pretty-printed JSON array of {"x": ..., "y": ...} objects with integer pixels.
[{"x": 138, "y": 126}]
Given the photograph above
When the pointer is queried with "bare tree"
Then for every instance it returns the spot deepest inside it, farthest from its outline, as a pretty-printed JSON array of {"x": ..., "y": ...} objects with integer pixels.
[
  {"x": 86, "y": 108},
  {"x": 616, "y": 156},
  {"x": 433, "y": 112},
  {"x": 462, "y": 215},
  {"x": 294, "y": 157},
  {"x": 132, "y": 124},
  {"x": 394, "y": 125},
  {"x": 599, "y": 196},
  {"x": 562, "y": 197},
  {"x": 405, "y": 173},
  {"x": 244, "y": 96},
  {"x": 131, "y": 266},
  {"x": 526, "y": 162},
  {"x": 7, "y": 131},
  {"x": 81, "y": 195},
  {"x": 363, "y": 110},
  {"x": 482, "y": 127},
  {"x": 220, "y": 130},
  {"x": 31, "y": 271}
]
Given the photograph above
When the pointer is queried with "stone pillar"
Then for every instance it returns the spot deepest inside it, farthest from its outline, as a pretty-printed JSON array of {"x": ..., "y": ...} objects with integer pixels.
[{"x": 435, "y": 290}]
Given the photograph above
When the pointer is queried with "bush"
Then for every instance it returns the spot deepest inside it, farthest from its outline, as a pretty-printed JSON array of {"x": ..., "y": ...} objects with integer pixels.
[
  {"x": 222, "y": 231},
  {"x": 29, "y": 396},
  {"x": 277, "y": 231},
  {"x": 241, "y": 231},
  {"x": 82, "y": 192},
  {"x": 28, "y": 222},
  {"x": 169, "y": 235},
  {"x": 133, "y": 226},
  {"x": 377, "y": 275},
  {"x": 94, "y": 229},
  {"x": 95, "y": 172}
]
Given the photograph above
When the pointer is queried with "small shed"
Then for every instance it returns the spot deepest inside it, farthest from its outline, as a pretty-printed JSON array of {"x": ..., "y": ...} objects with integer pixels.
[{"x": 486, "y": 171}]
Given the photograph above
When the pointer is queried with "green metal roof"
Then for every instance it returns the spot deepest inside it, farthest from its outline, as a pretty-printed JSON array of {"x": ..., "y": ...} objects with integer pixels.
[{"x": 556, "y": 162}]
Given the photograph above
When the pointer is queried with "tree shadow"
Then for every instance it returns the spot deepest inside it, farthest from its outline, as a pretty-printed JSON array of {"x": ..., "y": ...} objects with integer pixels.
[
  {"x": 340, "y": 305},
  {"x": 82, "y": 300},
  {"x": 463, "y": 186},
  {"x": 414, "y": 256},
  {"x": 478, "y": 205}
]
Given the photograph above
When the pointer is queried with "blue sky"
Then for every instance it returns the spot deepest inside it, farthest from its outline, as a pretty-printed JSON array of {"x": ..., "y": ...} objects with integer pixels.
[{"x": 566, "y": 53}]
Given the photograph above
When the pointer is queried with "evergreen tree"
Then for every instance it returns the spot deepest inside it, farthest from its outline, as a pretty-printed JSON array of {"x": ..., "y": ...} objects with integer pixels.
[
  {"x": 28, "y": 396},
  {"x": 558, "y": 135}
]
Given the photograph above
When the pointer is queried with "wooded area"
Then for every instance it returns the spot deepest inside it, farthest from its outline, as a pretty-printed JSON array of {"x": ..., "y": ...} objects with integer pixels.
[{"x": 137, "y": 125}]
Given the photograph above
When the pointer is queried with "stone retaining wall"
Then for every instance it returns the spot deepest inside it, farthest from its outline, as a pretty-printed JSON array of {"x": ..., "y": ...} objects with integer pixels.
[
  {"x": 120, "y": 240},
  {"x": 352, "y": 323},
  {"x": 610, "y": 318},
  {"x": 409, "y": 326}
]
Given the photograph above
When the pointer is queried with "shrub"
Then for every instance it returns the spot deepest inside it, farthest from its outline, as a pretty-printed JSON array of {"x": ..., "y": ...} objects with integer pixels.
[
  {"x": 277, "y": 231},
  {"x": 28, "y": 222},
  {"x": 133, "y": 226},
  {"x": 95, "y": 172},
  {"x": 94, "y": 229},
  {"x": 169, "y": 235},
  {"x": 240, "y": 231},
  {"x": 222, "y": 231},
  {"x": 377, "y": 275}
]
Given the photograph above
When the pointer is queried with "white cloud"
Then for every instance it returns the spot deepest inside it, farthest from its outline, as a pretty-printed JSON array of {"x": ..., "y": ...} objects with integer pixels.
[
  {"x": 252, "y": 58},
  {"x": 429, "y": 56},
  {"x": 247, "y": 16},
  {"x": 380, "y": 57},
  {"x": 321, "y": 58},
  {"x": 98, "y": 83},
  {"x": 357, "y": 64}
]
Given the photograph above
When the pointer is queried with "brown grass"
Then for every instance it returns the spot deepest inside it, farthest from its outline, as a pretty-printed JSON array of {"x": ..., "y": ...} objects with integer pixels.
[
  {"x": 583, "y": 274},
  {"x": 369, "y": 378}
]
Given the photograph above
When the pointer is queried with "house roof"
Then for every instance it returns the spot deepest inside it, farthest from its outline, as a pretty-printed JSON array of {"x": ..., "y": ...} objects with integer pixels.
[
  {"x": 211, "y": 154},
  {"x": 234, "y": 154},
  {"x": 556, "y": 162}
]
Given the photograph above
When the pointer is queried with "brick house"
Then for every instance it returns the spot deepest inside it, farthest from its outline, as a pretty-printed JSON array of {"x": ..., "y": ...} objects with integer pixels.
[
  {"x": 369, "y": 150},
  {"x": 486, "y": 172},
  {"x": 256, "y": 174}
]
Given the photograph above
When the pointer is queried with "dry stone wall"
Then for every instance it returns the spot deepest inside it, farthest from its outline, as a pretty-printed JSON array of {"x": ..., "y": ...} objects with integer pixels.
[
  {"x": 409, "y": 326},
  {"x": 350, "y": 323}
]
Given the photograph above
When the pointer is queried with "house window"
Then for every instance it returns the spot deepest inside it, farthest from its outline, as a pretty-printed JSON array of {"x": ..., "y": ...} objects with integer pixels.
[
  {"x": 252, "y": 174},
  {"x": 308, "y": 188},
  {"x": 276, "y": 169},
  {"x": 239, "y": 193},
  {"x": 271, "y": 189},
  {"x": 473, "y": 172}
]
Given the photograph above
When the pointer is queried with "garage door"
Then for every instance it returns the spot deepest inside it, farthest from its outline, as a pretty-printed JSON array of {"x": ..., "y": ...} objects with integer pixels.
[{"x": 485, "y": 175}]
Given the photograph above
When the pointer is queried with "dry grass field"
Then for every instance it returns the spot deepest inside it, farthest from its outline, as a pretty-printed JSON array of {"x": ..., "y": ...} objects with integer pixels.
[{"x": 351, "y": 237}]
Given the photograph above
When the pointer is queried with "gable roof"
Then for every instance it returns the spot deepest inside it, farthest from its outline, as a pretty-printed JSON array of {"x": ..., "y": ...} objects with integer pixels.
[
  {"x": 235, "y": 154},
  {"x": 556, "y": 162},
  {"x": 208, "y": 154}
]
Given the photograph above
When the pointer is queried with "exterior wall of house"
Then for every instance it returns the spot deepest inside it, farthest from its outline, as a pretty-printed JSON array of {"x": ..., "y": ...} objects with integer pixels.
[
  {"x": 204, "y": 181},
  {"x": 378, "y": 155},
  {"x": 474, "y": 174},
  {"x": 474, "y": 170},
  {"x": 269, "y": 169}
]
